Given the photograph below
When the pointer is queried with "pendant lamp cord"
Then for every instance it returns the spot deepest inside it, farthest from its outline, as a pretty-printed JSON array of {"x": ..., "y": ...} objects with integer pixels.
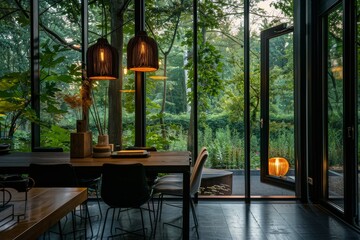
[{"x": 104, "y": 22}]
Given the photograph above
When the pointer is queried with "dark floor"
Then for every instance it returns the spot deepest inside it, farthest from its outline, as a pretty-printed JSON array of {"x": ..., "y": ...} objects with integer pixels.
[{"x": 236, "y": 220}]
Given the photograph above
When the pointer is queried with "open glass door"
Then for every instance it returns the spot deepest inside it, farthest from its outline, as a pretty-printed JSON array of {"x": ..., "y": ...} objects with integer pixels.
[{"x": 277, "y": 107}]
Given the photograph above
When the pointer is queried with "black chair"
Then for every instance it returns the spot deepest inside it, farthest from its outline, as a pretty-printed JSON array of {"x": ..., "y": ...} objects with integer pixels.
[
  {"x": 123, "y": 187},
  {"x": 151, "y": 177},
  {"x": 175, "y": 188},
  {"x": 53, "y": 175},
  {"x": 57, "y": 175},
  {"x": 92, "y": 183}
]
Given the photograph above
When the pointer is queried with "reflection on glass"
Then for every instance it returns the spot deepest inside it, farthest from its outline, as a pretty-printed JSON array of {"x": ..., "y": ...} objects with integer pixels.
[
  {"x": 281, "y": 102},
  {"x": 335, "y": 108}
]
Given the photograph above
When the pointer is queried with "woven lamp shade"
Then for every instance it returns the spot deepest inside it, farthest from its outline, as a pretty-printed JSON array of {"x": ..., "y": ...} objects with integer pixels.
[
  {"x": 102, "y": 61},
  {"x": 142, "y": 53}
]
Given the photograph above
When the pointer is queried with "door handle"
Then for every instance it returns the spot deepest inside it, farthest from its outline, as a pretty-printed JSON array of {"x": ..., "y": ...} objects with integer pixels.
[{"x": 350, "y": 132}]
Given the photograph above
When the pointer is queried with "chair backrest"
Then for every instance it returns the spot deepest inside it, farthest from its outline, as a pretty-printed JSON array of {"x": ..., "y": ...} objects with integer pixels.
[
  {"x": 124, "y": 185},
  {"x": 53, "y": 175},
  {"x": 199, "y": 155},
  {"x": 195, "y": 178},
  {"x": 203, "y": 149}
]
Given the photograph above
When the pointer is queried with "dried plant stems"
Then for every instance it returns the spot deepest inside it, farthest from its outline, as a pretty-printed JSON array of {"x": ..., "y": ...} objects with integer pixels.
[
  {"x": 105, "y": 107},
  {"x": 96, "y": 116}
]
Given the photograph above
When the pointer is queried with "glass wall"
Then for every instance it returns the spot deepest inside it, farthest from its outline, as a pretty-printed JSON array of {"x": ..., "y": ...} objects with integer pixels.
[
  {"x": 169, "y": 100},
  {"x": 220, "y": 86},
  {"x": 168, "y": 96},
  {"x": 15, "y": 107},
  {"x": 60, "y": 27},
  {"x": 112, "y": 108},
  {"x": 60, "y": 71},
  {"x": 221, "y": 95}
]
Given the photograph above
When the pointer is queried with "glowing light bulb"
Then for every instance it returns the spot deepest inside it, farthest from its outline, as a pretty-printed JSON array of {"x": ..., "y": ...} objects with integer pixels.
[
  {"x": 102, "y": 54},
  {"x": 142, "y": 48},
  {"x": 277, "y": 167}
]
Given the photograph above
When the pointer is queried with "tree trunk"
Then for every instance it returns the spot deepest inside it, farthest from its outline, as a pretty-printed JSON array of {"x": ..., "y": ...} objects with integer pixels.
[
  {"x": 190, "y": 142},
  {"x": 162, "y": 111},
  {"x": 117, "y": 39}
]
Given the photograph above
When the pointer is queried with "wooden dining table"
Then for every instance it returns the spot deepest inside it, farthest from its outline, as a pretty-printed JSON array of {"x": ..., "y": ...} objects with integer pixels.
[
  {"x": 43, "y": 208},
  {"x": 160, "y": 162}
]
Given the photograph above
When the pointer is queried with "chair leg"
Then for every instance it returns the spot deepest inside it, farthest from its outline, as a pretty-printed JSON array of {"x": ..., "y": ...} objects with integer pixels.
[
  {"x": 106, "y": 214},
  {"x": 156, "y": 217},
  {"x": 161, "y": 198},
  {"x": 153, "y": 206},
  {"x": 87, "y": 217},
  {"x": 98, "y": 199},
  {"x": 60, "y": 230},
  {"x": 151, "y": 224},
  {"x": 158, "y": 212},
  {"x": 73, "y": 218},
  {"x": 192, "y": 206},
  {"x": 112, "y": 221},
  {"x": 143, "y": 224}
]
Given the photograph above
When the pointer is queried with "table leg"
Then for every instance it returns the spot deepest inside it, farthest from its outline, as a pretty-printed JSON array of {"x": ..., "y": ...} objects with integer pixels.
[{"x": 186, "y": 205}]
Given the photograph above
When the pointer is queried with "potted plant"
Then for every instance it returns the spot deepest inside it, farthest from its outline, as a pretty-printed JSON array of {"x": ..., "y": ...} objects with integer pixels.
[
  {"x": 81, "y": 140},
  {"x": 102, "y": 148}
]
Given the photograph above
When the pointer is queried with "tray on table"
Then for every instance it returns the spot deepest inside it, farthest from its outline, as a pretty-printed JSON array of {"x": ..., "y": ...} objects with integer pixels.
[{"x": 130, "y": 154}]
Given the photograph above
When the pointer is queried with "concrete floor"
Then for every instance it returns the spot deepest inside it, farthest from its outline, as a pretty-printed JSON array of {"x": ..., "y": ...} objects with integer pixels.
[
  {"x": 257, "y": 188},
  {"x": 224, "y": 220}
]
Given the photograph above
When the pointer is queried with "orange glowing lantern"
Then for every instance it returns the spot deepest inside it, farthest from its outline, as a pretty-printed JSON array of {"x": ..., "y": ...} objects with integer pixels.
[{"x": 278, "y": 166}]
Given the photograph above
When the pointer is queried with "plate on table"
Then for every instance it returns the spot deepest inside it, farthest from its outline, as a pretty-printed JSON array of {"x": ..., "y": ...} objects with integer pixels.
[{"x": 130, "y": 154}]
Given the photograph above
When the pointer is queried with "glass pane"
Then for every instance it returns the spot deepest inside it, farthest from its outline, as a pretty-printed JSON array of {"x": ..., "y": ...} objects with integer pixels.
[
  {"x": 221, "y": 96},
  {"x": 14, "y": 75},
  {"x": 281, "y": 108},
  {"x": 281, "y": 93},
  {"x": 60, "y": 71},
  {"x": 335, "y": 107},
  {"x": 167, "y": 105}
]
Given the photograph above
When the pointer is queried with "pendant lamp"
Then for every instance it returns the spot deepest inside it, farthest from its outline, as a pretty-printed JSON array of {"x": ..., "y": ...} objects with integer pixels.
[
  {"x": 142, "y": 53},
  {"x": 102, "y": 61}
]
